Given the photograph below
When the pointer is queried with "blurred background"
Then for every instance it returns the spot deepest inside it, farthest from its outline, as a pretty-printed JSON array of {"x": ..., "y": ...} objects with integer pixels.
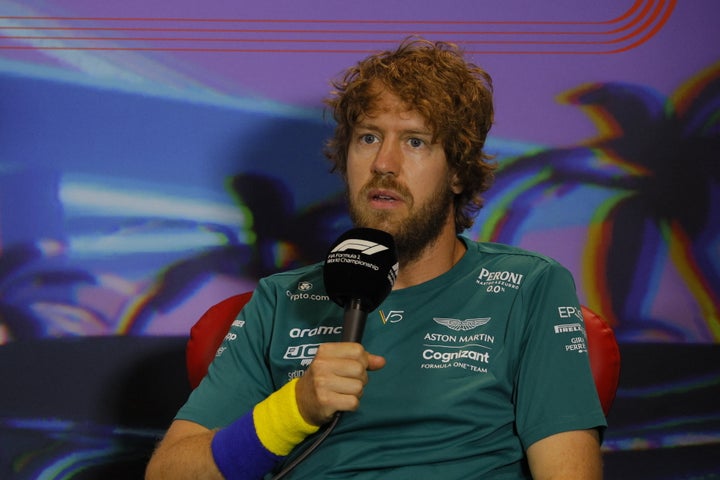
[{"x": 158, "y": 157}]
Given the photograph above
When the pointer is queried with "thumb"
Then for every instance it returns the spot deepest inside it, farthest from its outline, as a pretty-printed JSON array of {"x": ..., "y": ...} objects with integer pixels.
[{"x": 375, "y": 362}]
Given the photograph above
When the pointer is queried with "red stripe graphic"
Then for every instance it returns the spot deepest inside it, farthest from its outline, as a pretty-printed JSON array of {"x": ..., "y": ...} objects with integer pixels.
[{"x": 642, "y": 20}]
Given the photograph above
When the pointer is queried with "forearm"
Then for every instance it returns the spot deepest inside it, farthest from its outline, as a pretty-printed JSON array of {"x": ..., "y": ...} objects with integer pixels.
[
  {"x": 246, "y": 449},
  {"x": 189, "y": 457},
  {"x": 233, "y": 453},
  {"x": 573, "y": 455}
]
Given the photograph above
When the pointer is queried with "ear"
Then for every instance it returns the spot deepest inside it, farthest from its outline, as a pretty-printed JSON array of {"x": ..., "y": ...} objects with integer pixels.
[{"x": 456, "y": 185}]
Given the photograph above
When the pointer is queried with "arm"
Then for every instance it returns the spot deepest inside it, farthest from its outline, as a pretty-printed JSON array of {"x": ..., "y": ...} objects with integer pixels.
[
  {"x": 184, "y": 452},
  {"x": 235, "y": 452},
  {"x": 249, "y": 447},
  {"x": 573, "y": 455},
  {"x": 559, "y": 416}
]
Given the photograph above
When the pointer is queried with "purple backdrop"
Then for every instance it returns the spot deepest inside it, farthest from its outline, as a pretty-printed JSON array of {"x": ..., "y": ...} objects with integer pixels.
[{"x": 157, "y": 157}]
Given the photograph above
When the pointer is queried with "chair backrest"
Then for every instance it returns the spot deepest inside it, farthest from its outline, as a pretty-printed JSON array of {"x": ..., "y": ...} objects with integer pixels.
[
  {"x": 208, "y": 332},
  {"x": 604, "y": 357}
]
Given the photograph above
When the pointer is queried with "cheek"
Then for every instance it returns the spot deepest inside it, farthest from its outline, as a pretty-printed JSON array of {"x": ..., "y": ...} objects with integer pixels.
[
  {"x": 431, "y": 180},
  {"x": 356, "y": 168},
  {"x": 353, "y": 180}
]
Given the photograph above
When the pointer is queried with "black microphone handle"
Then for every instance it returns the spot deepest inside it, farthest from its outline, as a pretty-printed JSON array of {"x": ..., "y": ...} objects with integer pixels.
[{"x": 353, "y": 321}]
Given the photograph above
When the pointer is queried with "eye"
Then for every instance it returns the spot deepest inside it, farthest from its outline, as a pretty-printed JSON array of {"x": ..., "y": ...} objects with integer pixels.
[
  {"x": 416, "y": 142},
  {"x": 368, "y": 138}
]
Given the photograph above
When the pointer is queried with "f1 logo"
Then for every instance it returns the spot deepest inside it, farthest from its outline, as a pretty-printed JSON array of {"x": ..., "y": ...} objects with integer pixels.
[{"x": 364, "y": 246}]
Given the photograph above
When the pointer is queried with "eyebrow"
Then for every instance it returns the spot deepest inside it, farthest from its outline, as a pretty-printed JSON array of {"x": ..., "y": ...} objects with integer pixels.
[{"x": 372, "y": 126}]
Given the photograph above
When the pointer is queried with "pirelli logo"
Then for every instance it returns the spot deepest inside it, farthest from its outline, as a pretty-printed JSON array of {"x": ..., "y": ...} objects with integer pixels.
[{"x": 568, "y": 328}]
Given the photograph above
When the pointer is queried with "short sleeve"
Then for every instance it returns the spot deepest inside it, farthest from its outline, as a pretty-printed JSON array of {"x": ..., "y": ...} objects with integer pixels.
[
  {"x": 555, "y": 391},
  {"x": 238, "y": 378}
]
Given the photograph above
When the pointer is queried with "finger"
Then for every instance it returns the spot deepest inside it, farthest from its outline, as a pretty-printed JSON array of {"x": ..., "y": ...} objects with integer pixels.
[
  {"x": 320, "y": 396},
  {"x": 375, "y": 362},
  {"x": 338, "y": 375},
  {"x": 350, "y": 350}
]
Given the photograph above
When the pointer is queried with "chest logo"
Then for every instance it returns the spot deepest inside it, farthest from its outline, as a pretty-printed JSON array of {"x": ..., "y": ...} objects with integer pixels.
[
  {"x": 393, "y": 316},
  {"x": 305, "y": 286},
  {"x": 462, "y": 325}
]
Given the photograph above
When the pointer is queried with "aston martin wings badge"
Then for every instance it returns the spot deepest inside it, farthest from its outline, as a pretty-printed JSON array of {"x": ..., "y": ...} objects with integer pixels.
[{"x": 462, "y": 325}]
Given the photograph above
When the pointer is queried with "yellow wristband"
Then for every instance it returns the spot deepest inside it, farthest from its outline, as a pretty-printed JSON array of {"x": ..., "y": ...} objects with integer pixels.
[{"x": 278, "y": 422}]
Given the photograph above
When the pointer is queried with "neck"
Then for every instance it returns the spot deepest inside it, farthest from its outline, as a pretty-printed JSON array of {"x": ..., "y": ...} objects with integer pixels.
[{"x": 437, "y": 258}]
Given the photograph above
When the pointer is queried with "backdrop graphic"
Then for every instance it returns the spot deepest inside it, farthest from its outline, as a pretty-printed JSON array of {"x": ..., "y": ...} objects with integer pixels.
[{"x": 157, "y": 158}]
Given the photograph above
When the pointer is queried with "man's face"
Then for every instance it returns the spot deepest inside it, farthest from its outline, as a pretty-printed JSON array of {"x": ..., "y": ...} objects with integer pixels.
[{"x": 398, "y": 180}]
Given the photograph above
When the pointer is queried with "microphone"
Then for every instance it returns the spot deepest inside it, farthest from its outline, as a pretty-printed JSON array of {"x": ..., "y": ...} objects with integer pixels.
[{"x": 359, "y": 272}]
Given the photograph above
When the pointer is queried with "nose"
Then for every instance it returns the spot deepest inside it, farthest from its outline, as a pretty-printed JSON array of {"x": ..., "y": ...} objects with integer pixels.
[{"x": 387, "y": 159}]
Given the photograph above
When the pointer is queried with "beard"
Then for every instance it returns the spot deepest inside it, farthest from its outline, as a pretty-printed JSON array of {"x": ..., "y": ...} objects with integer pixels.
[{"x": 414, "y": 233}]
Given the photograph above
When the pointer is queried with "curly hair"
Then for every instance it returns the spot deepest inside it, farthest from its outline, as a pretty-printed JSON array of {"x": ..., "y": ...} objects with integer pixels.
[{"x": 453, "y": 95}]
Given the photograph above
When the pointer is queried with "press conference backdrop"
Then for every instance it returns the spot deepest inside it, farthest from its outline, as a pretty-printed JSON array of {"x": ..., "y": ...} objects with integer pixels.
[{"x": 157, "y": 157}]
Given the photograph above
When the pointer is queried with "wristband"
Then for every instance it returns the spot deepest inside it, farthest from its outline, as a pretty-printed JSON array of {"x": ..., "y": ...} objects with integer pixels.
[
  {"x": 278, "y": 422},
  {"x": 239, "y": 454}
]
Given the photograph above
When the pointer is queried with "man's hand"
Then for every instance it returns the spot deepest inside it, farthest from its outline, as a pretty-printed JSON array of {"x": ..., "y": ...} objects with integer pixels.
[{"x": 335, "y": 381}]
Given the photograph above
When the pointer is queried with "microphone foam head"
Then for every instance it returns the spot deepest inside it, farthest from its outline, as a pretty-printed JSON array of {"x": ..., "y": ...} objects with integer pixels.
[{"x": 362, "y": 264}]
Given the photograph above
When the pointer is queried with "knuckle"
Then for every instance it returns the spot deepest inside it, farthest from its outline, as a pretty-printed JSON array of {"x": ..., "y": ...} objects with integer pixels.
[{"x": 353, "y": 404}]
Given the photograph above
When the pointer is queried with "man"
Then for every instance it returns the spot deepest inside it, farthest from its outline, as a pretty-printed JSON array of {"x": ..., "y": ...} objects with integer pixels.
[{"x": 462, "y": 373}]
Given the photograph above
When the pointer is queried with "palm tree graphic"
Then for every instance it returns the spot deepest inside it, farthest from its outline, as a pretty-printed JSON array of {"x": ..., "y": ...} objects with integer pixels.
[{"x": 657, "y": 160}]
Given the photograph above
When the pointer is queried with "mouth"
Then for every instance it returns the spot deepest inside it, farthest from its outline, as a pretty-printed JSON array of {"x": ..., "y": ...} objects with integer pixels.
[{"x": 384, "y": 197}]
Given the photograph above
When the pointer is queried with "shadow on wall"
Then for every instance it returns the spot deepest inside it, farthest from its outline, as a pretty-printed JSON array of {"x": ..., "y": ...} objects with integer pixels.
[{"x": 48, "y": 290}]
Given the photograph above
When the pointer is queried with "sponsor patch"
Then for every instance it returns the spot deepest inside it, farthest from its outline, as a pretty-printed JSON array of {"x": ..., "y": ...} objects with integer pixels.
[{"x": 498, "y": 282}]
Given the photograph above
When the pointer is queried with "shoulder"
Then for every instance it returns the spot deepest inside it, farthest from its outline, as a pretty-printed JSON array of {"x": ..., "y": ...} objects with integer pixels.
[
  {"x": 499, "y": 264},
  {"x": 500, "y": 252},
  {"x": 292, "y": 279}
]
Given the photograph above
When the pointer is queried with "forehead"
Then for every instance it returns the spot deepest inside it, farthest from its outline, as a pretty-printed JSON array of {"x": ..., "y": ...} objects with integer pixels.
[
  {"x": 385, "y": 103},
  {"x": 383, "y": 100}
]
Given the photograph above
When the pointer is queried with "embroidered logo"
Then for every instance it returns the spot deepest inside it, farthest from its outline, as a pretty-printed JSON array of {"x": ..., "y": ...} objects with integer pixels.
[
  {"x": 462, "y": 325},
  {"x": 393, "y": 316}
]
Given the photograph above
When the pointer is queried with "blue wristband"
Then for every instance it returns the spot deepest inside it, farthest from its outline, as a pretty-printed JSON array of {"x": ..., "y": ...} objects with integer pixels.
[{"x": 238, "y": 452}]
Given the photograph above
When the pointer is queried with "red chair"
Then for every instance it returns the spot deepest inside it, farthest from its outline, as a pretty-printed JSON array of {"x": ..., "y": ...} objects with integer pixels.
[
  {"x": 604, "y": 357},
  {"x": 209, "y": 331}
]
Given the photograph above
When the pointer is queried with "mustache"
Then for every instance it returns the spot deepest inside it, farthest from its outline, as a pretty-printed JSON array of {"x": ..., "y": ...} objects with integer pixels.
[{"x": 385, "y": 182}]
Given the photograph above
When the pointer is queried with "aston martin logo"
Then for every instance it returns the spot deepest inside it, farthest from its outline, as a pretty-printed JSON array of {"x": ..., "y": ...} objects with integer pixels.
[{"x": 462, "y": 325}]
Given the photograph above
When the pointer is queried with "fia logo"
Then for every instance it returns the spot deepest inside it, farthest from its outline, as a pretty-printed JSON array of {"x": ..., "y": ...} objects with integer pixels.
[{"x": 393, "y": 316}]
